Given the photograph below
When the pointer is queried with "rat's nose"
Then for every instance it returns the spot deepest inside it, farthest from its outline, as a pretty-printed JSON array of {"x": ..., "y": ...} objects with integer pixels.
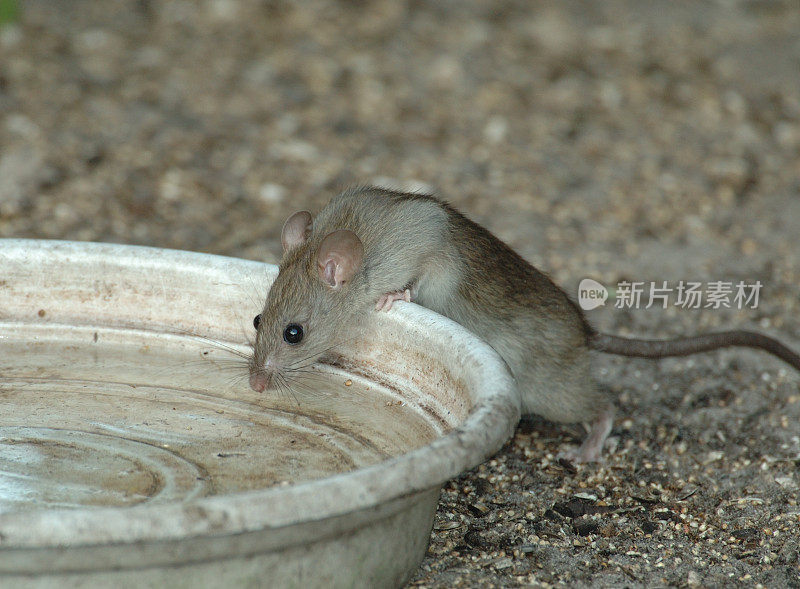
[{"x": 259, "y": 381}]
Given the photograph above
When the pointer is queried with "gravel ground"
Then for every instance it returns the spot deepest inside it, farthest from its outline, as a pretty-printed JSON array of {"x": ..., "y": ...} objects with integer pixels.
[{"x": 622, "y": 140}]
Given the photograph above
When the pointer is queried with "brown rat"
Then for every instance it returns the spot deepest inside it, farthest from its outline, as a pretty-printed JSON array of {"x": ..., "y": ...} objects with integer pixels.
[{"x": 370, "y": 247}]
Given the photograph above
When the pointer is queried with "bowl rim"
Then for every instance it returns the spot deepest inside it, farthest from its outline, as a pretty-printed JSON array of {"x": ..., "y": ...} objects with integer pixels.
[{"x": 489, "y": 424}]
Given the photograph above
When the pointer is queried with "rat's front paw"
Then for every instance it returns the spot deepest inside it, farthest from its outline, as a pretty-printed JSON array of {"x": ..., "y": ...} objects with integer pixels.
[{"x": 386, "y": 301}]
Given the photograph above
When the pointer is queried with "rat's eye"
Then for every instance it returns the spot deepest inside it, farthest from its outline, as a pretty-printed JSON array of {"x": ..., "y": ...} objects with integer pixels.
[
  {"x": 293, "y": 334},
  {"x": 257, "y": 321}
]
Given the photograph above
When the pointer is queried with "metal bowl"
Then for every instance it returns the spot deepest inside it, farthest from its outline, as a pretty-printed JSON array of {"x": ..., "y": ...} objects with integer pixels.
[{"x": 133, "y": 453}]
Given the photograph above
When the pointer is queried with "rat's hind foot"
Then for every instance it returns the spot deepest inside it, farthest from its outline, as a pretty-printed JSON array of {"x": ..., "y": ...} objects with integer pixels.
[
  {"x": 386, "y": 301},
  {"x": 592, "y": 448}
]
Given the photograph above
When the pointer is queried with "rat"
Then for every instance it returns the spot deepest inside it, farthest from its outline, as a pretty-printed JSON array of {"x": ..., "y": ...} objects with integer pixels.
[{"x": 369, "y": 247}]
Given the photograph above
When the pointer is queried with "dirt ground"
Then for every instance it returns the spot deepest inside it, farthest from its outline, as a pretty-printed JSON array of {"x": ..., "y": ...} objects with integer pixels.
[{"x": 619, "y": 140}]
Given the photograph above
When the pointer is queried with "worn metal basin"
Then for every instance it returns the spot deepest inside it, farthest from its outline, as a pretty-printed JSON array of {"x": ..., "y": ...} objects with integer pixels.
[{"x": 133, "y": 453}]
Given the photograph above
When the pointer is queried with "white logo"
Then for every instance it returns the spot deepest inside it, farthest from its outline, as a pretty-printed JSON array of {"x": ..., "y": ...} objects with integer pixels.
[{"x": 591, "y": 294}]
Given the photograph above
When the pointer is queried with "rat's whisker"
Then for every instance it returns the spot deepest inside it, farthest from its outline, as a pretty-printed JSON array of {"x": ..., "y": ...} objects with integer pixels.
[
  {"x": 324, "y": 351},
  {"x": 285, "y": 385},
  {"x": 254, "y": 288},
  {"x": 227, "y": 347},
  {"x": 310, "y": 392}
]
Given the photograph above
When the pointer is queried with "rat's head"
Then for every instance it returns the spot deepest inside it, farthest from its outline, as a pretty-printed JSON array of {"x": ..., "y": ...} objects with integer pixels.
[{"x": 310, "y": 306}]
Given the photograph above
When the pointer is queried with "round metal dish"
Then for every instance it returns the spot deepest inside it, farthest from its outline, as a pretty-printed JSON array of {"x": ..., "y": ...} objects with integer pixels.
[{"x": 133, "y": 453}]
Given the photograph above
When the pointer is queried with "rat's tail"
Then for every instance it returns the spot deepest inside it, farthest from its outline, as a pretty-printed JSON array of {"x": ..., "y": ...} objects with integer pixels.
[{"x": 685, "y": 346}]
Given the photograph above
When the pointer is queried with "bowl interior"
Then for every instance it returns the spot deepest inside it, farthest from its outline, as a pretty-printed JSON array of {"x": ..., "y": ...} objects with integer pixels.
[{"x": 124, "y": 382}]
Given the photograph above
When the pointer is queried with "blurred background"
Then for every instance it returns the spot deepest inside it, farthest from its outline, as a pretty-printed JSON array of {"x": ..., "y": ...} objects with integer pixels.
[
  {"x": 620, "y": 139},
  {"x": 617, "y": 139}
]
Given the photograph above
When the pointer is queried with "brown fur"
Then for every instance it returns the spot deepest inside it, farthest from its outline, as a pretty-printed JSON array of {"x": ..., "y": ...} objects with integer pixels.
[{"x": 455, "y": 267}]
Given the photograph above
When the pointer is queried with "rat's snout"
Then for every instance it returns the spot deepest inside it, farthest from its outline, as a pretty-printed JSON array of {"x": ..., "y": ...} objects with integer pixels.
[
  {"x": 261, "y": 373},
  {"x": 259, "y": 381}
]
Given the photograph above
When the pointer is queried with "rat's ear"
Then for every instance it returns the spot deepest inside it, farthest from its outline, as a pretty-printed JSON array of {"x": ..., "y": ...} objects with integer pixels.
[
  {"x": 339, "y": 257},
  {"x": 296, "y": 230}
]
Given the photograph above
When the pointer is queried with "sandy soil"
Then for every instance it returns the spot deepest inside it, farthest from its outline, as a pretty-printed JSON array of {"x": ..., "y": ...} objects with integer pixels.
[{"x": 619, "y": 140}]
